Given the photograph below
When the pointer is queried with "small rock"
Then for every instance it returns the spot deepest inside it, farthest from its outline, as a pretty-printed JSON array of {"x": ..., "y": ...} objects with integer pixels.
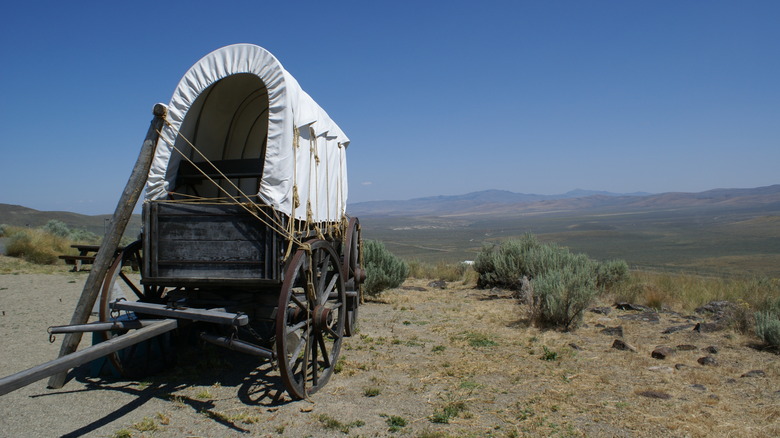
[
  {"x": 685, "y": 347},
  {"x": 662, "y": 353},
  {"x": 680, "y": 366},
  {"x": 601, "y": 310},
  {"x": 621, "y": 345},
  {"x": 716, "y": 308},
  {"x": 699, "y": 387},
  {"x": 654, "y": 394},
  {"x": 307, "y": 408},
  {"x": 711, "y": 349},
  {"x": 708, "y": 327},
  {"x": 754, "y": 373},
  {"x": 661, "y": 369},
  {"x": 613, "y": 331},
  {"x": 647, "y": 316},
  {"x": 415, "y": 288},
  {"x": 599, "y": 325},
  {"x": 629, "y": 306},
  {"x": 575, "y": 346},
  {"x": 676, "y": 328},
  {"x": 707, "y": 360},
  {"x": 439, "y": 284}
]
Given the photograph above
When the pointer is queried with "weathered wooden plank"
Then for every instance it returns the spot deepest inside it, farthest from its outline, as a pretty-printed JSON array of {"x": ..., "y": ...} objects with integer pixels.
[
  {"x": 194, "y": 314},
  {"x": 209, "y": 270},
  {"x": 116, "y": 228},
  {"x": 64, "y": 363}
]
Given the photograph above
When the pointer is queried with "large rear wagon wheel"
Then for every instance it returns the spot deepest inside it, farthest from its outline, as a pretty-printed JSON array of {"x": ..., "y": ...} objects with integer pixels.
[
  {"x": 310, "y": 319},
  {"x": 352, "y": 265}
]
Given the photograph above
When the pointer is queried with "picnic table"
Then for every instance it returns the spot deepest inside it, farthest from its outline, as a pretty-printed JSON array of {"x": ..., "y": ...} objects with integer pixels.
[{"x": 86, "y": 256}]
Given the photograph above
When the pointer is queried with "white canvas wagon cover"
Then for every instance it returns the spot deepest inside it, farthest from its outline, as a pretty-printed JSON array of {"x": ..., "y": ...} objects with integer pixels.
[{"x": 239, "y": 103}]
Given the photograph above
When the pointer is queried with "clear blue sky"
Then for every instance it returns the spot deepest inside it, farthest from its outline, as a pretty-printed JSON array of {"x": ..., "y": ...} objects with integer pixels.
[{"x": 437, "y": 97}]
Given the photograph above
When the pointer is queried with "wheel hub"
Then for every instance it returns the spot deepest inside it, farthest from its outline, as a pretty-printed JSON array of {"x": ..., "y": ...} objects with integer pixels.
[{"x": 323, "y": 317}]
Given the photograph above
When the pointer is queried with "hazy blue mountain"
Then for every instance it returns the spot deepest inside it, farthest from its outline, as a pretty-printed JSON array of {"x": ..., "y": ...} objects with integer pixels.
[{"x": 502, "y": 202}]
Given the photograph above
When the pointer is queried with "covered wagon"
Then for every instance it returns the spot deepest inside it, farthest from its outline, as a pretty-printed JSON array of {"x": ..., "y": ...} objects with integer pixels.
[{"x": 245, "y": 232}]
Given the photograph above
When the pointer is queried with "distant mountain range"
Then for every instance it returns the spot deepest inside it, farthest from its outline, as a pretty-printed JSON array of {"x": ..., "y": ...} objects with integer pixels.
[
  {"x": 502, "y": 202},
  {"x": 484, "y": 203}
]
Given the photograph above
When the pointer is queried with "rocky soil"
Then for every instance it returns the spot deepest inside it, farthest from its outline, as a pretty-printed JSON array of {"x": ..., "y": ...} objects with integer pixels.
[{"x": 427, "y": 362}]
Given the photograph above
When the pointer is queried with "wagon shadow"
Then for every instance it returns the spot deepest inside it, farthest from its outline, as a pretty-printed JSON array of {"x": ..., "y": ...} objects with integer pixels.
[{"x": 256, "y": 383}]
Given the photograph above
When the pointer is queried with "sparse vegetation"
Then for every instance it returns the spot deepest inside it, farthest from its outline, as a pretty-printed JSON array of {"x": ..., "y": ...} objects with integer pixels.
[
  {"x": 35, "y": 245},
  {"x": 395, "y": 423},
  {"x": 333, "y": 424},
  {"x": 448, "y": 411},
  {"x": 147, "y": 424},
  {"x": 383, "y": 269},
  {"x": 440, "y": 271},
  {"x": 372, "y": 391},
  {"x": 122, "y": 433},
  {"x": 43, "y": 245}
]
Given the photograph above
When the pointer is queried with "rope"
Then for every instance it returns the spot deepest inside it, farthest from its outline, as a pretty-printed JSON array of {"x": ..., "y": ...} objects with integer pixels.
[{"x": 277, "y": 227}]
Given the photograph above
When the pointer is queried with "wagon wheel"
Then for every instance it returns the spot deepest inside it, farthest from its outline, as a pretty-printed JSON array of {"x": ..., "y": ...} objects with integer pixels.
[
  {"x": 116, "y": 283},
  {"x": 310, "y": 319},
  {"x": 352, "y": 266}
]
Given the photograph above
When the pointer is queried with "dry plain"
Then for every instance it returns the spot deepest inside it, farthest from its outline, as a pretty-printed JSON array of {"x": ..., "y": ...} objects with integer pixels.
[{"x": 426, "y": 362}]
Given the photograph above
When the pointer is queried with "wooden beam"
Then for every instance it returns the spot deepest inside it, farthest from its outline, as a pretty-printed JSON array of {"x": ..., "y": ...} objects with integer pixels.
[
  {"x": 124, "y": 210},
  {"x": 191, "y": 313},
  {"x": 64, "y": 363}
]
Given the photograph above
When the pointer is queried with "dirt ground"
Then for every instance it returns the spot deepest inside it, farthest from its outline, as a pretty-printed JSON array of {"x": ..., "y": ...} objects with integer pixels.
[{"x": 426, "y": 363}]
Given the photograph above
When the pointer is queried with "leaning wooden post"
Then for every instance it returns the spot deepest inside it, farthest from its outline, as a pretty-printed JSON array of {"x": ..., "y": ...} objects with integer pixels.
[{"x": 124, "y": 210}]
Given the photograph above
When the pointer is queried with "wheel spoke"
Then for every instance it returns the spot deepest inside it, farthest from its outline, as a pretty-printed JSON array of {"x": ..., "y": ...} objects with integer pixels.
[
  {"x": 293, "y": 328},
  {"x": 325, "y": 356},
  {"x": 298, "y": 303},
  {"x": 132, "y": 286}
]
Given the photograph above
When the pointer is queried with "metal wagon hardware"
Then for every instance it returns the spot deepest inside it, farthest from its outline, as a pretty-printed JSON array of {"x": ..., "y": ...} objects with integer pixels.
[{"x": 245, "y": 232}]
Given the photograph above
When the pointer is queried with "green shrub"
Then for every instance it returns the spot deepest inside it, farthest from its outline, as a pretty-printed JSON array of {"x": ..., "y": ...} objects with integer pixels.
[
  {"x": 768, "y": 328},
  {"x": 57, "y": 228},
  {"x": 611, "y": 273},
  {"x": 60, "y": 229},
  {"x": 36, "y": 246},
  {"x": 3, "y": 230},
  {"x": 768, "y": 323},
  {"x": 564, "y": 283},
  {"x": 561, "y": 296},
  {"x": 383, "y": 269},
  {"x": 504, "y": 265}
]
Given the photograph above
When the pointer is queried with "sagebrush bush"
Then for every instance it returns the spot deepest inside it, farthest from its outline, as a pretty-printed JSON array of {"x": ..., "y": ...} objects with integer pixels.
[
  {"x": 564, "y": 283},
  {"x": 768, "y": 323},
  {"x": 36, "y": 246},
  {"x": 505, "y": 264},
  {"x": 611, "y": 273},
  {"x": 561, "y": 296},
  {"x": 60, "y": 229},
  {"x": 57, "y": 228},
  {"x": 383, "y": 269},
  {"x": 3, "y": 230}
]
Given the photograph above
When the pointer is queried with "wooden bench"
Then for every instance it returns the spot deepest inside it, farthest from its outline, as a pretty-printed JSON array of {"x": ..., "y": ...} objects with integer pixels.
[{"x": 86, "y": 256}]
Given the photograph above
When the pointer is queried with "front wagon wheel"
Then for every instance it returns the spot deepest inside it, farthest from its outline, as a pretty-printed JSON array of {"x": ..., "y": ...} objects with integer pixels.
[{"x": 310, "y": 319}]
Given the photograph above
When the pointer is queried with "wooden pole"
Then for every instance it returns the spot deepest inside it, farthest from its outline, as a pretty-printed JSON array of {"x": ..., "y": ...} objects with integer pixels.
[
  {"x": 116, "y": 228},
  {"x": 64, "y": 363}
]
